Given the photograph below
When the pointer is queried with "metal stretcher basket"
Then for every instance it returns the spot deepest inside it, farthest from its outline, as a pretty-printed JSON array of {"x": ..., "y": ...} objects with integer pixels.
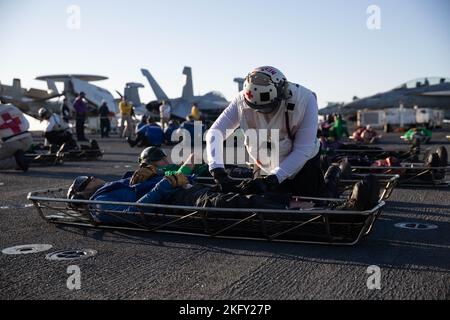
[
  {"x": 46, "y": 158},
  {"x": 412, "y": 174},
  {"x": 388, "y": 181},
  {"x": 316, "y": 225},
  {"x": 82, "y": 155}
]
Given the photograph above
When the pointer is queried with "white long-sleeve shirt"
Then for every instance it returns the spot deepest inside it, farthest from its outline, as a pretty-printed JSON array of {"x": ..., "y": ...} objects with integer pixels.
[
  {"x": 54, "y": 123},
  {"x": 303, "y": 149}
]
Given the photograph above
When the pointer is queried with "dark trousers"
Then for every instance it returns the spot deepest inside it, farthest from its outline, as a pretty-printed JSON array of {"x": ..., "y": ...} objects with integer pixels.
[
  {"x": 205, "y": 196},
  {"x": 105, "y": 127},
  {"x": 309, "y": 182},
  {"x": 81, "y": 119},
  {"x": 60, "y": 137},
  {"x": 143, "y": 141}
]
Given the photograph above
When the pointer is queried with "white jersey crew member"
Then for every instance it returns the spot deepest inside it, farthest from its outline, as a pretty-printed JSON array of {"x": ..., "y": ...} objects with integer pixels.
[
  {"x": 57, "y": 132},
  {"x": 15, "y": 138},
  {"x": 269, "y": 101}
]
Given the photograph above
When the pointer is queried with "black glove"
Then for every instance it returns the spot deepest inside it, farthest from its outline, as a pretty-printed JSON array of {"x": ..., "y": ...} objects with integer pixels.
[
  {"x": 259, "y": 185},
  {"x": 223, "y": 180}
]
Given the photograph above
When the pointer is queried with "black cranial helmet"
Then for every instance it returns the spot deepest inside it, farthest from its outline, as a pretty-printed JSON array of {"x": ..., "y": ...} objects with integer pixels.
[
  {"x": 150, "y": 155},
  {"x": 78, "y": 185},
  {"x": 44, "y": 113}
]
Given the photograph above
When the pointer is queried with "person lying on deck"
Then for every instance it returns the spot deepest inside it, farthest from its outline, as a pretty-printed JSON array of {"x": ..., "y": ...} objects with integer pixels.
[{"x": 150, "y": 186}]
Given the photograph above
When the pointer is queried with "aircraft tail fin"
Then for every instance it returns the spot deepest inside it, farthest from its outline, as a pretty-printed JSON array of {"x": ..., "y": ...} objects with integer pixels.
[
  {"x": 52, "y": 86},
  {"x": 188, "y": 89},
  {"x": 159, "y": 93},
  {"x": 132, "y": 93},
  {"x": 240, "y": 82},
  {"x": 16, "y": 88}
]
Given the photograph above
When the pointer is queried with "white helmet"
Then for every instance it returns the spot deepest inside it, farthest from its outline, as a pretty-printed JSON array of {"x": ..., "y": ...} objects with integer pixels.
[
  {"x": 265, "y": 88},
  {"x": 44, "y": 113}
]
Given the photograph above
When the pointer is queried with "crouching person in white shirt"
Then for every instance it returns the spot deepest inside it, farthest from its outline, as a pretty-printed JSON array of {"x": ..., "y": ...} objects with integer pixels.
[{"x": 270, "y": 102}]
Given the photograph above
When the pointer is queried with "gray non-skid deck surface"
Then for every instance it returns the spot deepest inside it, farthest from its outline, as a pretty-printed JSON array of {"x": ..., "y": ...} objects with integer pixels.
[{"x": 132, "y": 265}]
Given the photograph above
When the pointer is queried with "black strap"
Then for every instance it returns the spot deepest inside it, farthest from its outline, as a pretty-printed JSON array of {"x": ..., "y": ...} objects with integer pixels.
[
  {"x": 288, "y": 127},
  {"x": 289, "y": 107},
  {"x": 16, "y": 135}
]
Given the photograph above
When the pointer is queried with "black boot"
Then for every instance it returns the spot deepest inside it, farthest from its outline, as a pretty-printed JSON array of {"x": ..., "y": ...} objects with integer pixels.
[
  {"x": 21, "y": 160},
  {"x": 433, "y": 160},
  {"x": 332, "y": 177},
  {"x": 365, "y": 195},
  {"x": 131, "y": 142},
  {"x": 443, "y": 156},
  {"x": 94, "y": 145},
  {"x": 53, "y": 148},
  {"x": 346, "y": 169}
]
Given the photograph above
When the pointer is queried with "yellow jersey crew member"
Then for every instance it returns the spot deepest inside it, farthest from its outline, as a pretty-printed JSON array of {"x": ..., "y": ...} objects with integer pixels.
[
  {"x": 126, "y": 109},
  {"x": 195, "y": 112}
]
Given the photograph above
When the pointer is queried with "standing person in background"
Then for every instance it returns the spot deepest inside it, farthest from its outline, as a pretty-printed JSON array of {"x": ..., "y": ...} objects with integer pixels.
[
  {"x": 195, "y": 112},
  {"x": 339, "y": 128},
  {"x": 105, "y": 125},
  {"x": 65, "y": 111},
  {"x": 125, "y": 109},
  {"x": 164, "y": 113},
  {"x": 80, "y": 107}
]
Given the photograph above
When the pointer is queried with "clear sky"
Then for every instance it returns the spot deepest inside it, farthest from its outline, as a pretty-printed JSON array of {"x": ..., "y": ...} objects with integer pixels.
[{"x": 324, "y": 45}]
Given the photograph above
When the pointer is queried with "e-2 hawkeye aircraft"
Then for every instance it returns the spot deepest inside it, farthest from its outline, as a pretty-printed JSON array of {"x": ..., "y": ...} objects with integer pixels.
[{"x": 31, "y": 100}]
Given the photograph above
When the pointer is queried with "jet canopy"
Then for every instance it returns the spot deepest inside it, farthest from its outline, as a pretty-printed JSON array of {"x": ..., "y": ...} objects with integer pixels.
[
  {"x": 423, "y": 82},
  {"x": 215, "y": 95}
]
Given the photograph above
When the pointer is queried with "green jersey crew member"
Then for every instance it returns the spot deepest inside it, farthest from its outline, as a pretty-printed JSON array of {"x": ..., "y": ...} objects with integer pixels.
[{"x": 269, "y": 101}]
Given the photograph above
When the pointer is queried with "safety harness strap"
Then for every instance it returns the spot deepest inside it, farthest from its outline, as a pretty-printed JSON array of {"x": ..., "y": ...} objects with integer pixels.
[{"x": 290, "y": 107}]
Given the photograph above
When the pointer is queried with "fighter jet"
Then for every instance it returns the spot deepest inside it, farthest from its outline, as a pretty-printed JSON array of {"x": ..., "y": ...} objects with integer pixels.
[
  {"x": 433, "y": 92},
  {"x": 210, "y": 104}
]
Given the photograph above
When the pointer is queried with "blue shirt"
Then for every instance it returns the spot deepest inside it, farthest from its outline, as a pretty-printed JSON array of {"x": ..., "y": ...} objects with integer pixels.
[
  {"x": 153, "y": 133},
  {"x": 120, "y": 191},
  {"x": 168, "y": 132},
  {"x": 152, "y": 191}
]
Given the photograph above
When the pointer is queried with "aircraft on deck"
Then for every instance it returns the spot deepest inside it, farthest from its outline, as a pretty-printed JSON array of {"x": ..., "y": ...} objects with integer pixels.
[
  {"x": 433, "y": 92},
  {"x": 210, "y": 104},
  {"x": 131, "y": 92},
  {"x": 240, "y": 82},
  {"x": 76, "y": 83},
  {"x": 332, "y": 108},
  {"x": 31, "y": 100}
]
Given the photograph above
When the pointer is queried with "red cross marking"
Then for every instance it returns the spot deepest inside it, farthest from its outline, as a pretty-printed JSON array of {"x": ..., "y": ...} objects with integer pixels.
[
  {"x": 11, "y": 123},
  {"x": 249, "y": 95}
]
